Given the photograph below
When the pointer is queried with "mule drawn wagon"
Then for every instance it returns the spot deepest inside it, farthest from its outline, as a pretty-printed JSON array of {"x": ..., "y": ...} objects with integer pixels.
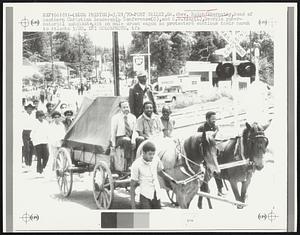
[{"x": 85, "y": 148}]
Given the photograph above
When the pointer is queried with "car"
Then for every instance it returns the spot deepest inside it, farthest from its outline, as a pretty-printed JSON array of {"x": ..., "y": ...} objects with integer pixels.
[{"x": 169, "y": 94}]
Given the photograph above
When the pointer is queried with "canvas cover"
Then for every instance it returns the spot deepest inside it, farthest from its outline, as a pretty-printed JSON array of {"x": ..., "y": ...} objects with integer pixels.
[{"x": 90, "y": 130}]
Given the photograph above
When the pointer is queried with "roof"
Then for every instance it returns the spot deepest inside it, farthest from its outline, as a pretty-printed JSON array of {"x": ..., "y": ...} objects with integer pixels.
[{"x": 91, "y": 127}]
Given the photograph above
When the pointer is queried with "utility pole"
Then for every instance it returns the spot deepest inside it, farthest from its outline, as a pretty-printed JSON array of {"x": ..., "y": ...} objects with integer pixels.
[
  {"x": 149, "y": 74},
  {"x": 51, "y": 54},
  {"x": 95, "y": 62},
  {"x": 80, "y": 59},
  {"x": 235, "y": 88},
  {"x": 116, "y": 64}
]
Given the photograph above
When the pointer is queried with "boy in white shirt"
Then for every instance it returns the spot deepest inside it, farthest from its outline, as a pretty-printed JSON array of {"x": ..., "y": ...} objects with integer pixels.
[{"x": 144, "y": 172}]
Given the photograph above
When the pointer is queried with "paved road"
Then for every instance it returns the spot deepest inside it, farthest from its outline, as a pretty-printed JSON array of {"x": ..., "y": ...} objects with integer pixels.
[{"x": 41, "y": 193}]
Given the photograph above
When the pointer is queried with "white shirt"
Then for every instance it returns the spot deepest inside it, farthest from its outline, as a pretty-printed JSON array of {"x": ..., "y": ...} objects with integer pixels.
[
  {"x": 40, "y": 132},
  {"x": 118, "y": 126},
  {"x": 56, "y": 134},
  {"x": 146, "y": 98},
  {"x": 146, "y": 174},
  {"x": 28, "y": 120}
]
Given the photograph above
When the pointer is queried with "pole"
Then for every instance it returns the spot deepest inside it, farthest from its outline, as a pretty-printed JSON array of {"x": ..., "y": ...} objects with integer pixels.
[
  {"x": 80, "y": 60},
  {"x": 116, "y": 64},
  {"x": 256, "y": 54},
  {"x": 95, "y": 62},
  {"x": 235, "y": 91},
  {"x": 51, "y": 54},
  {"x": 149, "y": 74}
]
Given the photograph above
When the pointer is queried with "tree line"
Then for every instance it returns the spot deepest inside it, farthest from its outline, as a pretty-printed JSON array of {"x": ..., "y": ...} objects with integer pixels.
[{"x": 169, "y": 51}]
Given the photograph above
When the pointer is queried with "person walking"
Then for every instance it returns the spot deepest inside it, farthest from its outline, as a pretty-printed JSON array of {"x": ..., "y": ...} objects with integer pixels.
[
  {"x": 56, "y": 137},
  {"x": 28, "y": 124},
  {"x": 144, "y": 172},
  {"x": 139, "y": 94},
  {"x": 40, "y": 140},
  {"x": 210, "y": 125},
  {"x": 68, "y": 118}
]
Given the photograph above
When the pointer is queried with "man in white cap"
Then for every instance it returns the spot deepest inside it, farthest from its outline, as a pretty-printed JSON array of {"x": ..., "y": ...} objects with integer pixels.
[{"x": 139, "y": 94}]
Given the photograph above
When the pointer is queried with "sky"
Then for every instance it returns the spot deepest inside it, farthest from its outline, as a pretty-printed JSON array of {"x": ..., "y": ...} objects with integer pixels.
[{"x": 104, "y": 38}]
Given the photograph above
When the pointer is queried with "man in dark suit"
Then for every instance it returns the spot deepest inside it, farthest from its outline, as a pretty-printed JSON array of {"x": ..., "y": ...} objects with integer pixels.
[{"x": 139, "y": 94}]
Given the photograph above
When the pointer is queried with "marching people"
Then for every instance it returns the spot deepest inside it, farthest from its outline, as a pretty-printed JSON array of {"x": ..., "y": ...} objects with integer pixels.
[
  {"x": 68, "y": 118},
  {"x": 42, "y": 95},
  {"x": 148, "y": 124},
  {"x": 139, "y": 94},
  {"x": 144, "y": 172},
  {"x": 210, "y": 125},
  {"x": 56, "y": 136},
  {"x": 40, "y": 140},
  {"x": 28, "y": 123},
  {"x": 167, "y": 122},
  {"x": 123, "y": 131},
  {"x": 49, "y": 109}
]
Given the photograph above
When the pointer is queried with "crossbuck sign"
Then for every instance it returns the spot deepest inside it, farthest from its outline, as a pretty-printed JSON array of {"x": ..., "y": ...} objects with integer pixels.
[{"x": 233, "y": 39}]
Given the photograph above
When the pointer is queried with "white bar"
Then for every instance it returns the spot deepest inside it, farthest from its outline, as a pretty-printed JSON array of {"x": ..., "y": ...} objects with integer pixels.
[
  {"x": 233, "y": 164},
  {"x": 203, "y": 194}
]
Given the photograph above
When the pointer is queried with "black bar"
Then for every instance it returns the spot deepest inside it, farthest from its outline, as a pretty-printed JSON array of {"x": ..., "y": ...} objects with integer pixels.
[
  {"x": 116, "y": 64},
  {"x": 290, "y": 121},
  {"x": 9, "y": 118}
]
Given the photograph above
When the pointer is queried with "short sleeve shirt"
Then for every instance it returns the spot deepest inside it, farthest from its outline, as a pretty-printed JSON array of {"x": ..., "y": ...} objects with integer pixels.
[
  {"x": 149, "y": 126},
  {"x": 168, "y": 125},
  {"x": 146, "y": 174}
]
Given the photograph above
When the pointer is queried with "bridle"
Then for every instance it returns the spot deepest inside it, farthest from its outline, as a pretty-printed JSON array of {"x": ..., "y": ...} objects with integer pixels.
[{"x": 251, "y": 140}]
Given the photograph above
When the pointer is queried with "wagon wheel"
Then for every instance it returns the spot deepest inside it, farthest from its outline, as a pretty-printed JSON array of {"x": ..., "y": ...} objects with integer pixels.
[
  {"x": 172, "y": 197},
  {"x": 103, "y": 186},
  {"x": 64, "y": 174}
]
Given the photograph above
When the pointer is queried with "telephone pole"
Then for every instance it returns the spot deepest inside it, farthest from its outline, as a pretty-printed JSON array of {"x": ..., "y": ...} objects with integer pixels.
[
  {"x": 149, "y": 74},
  {"x": 80, "y": 59},
  {"x": 116, "y": 64},
  {"x": 51, "y": 55},
  {"x": 96, "y": 62}
]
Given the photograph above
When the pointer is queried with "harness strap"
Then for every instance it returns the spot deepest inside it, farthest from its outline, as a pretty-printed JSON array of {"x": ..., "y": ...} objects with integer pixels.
[{"x": 239, "y": 148}]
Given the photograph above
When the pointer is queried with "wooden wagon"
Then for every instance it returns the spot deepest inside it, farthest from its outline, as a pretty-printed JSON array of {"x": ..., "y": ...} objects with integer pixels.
[{"x": 86, "y": 149}]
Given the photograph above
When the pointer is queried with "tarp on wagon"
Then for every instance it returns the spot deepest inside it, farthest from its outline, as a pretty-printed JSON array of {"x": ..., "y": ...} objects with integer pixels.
[{"x": 90, "y": 130}]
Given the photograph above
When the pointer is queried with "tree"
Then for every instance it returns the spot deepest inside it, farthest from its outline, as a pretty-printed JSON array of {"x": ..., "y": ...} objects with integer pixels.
[{"x": 204, "y": 44}]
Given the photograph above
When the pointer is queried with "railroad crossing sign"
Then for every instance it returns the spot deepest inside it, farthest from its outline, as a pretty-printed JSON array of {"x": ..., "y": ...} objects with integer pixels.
[{"x": 233, "y": 39}]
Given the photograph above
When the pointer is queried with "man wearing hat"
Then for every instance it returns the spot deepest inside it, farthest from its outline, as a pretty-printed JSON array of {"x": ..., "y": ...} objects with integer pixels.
[
  {"x": 68, "y": 118},
  {"x": 139, "y": 94},
  {"x": 28, "y": 122},
  {"x": 40, "y": 139}
]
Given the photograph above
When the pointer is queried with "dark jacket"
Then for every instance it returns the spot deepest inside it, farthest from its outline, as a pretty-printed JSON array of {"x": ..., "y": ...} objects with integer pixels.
[
  {"x": 136, "y": 97},
  {"x": 206, "y": 127}
]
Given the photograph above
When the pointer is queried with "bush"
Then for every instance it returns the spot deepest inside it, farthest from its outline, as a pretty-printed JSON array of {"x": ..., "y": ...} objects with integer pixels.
[{"x": 204, "y": 97}]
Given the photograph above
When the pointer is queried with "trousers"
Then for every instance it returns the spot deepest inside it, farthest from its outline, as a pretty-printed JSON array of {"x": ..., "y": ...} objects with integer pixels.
[
  {"x": 42, "y": 154},
  {"x": 27, "y": 147},
  {"x": 146, "y": 203}
]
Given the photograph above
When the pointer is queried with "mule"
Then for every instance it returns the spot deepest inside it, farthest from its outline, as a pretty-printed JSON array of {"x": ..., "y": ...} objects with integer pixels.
[
  {"x": 198, "y": 151},
  {"x": 254, "y": 144},
  {"x": 181, "y": 169}
]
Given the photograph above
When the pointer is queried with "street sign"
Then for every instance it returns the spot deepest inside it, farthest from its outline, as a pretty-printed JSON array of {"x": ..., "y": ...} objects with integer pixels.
[
  {"x": 233, "y": 40},
  {"x": 138, "y": 63}
]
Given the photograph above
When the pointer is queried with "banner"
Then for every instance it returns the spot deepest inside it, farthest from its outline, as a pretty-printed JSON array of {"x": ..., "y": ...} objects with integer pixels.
[{"x": 138, "y": 63}]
